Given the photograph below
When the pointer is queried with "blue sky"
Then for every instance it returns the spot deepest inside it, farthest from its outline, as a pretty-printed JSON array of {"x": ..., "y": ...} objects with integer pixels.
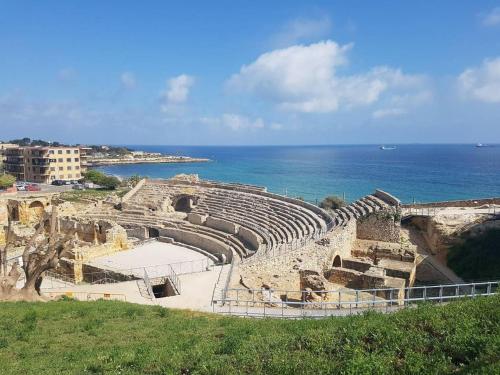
[{"x": 250, "y": 72}]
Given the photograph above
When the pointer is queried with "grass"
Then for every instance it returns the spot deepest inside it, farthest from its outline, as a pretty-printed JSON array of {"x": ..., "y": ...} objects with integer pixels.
[
  {"x": 69, "y": 337},
  {"x": 91, "y": 194},
  {"x": 477, "y": 258}
]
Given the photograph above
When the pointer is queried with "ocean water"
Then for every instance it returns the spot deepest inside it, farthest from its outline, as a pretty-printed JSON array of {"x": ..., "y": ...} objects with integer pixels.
[{"x": 422, "y": 173}]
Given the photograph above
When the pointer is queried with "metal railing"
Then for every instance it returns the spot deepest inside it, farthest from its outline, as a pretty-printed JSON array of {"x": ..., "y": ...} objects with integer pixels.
[
  {"x": 295, "y": 304},
  {"x": 158, "y": 270},
  {"x": 149, "y": 287},
  {"x": 174, "y": 278}
]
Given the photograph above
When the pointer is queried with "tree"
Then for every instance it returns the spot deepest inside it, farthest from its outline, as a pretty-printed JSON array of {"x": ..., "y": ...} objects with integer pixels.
[
  {"x": 134, "y": 180},
  {"x": 99, "y": 178},
  {"x": 41, "y": 254},
  {"x": 332, "y": 202},
  {"x": 6, "y": 181}
]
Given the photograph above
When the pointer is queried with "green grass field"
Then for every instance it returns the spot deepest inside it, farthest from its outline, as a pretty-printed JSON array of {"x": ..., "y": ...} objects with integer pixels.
[
  {"x": 70, "y": 337},
  {"x": 91, "y": 194}
]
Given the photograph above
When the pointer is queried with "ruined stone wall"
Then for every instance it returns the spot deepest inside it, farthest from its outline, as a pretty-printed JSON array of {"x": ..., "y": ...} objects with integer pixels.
[
  {"x": 379, "y": 226},
  {"x": 355, "y": 264},
  {"x": 458, "y": 203},
  {"x": 198, "y": 240},
  {"x": 222, "y": 225},
  {"x": 196, "y": 219},
  {"x": 347, "y": 277},
  {"x": 137, "y": 232},
  {"x": 341, "y": 243},
  {"x": 249, "y": 237},
  {"x": 3, "y": 221}
]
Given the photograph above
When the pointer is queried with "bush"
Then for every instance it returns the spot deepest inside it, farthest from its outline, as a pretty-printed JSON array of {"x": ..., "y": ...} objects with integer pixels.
[
  {"x": 99, "y": 178},
  {"x": 6, "y": 181},
  {"x": 133, "y": 180},
  {"x": 477, "y": 258},
  {"x": 332, "y": 202}
]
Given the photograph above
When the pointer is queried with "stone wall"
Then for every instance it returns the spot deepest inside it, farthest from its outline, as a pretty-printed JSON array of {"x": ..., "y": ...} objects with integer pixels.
[
  {"x": 341, "y": 242},
  {"x": 138, "y": 232},
  {"x": 250, "y": 237},
  {"x": 379, "y": 226},
  {"x": 204, "y": 242},
  {"x": 457, "y": 203},
  {"x": 196, "y": 219},
  {"x": 387, "y": 198},
  {"x": 343, "y": 276},
  {"x": 222, "y": 225},
  {"x": 356, "y": 264}
]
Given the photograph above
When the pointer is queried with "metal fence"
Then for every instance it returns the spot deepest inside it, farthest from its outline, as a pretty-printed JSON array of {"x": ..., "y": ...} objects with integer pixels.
[
  {"x": 294, "y": 304},
  {"x": 159, "y": 270}
]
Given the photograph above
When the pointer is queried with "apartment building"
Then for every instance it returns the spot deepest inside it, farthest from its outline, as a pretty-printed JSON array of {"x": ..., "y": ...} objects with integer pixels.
[{"x": 46, "y": 164}]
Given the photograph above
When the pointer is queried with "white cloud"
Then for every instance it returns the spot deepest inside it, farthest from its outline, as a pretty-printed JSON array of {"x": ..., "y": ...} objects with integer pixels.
[
  {"x": 128, "y": 80},
  {"x": 388, "y": 112},
  {"x": 302, "y": 29},
  {"x": 492, "y": 18},
  {"x": 483, "y": 82},
  {"x": 305, "y": 79},
  {"x": 234, "y": 122},
  {"x": 177, "y": 93}
]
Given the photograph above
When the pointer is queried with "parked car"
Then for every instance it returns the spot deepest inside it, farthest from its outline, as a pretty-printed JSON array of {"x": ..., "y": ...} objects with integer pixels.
[
  {"x": 74, "y": 182},
  {"x": 66, "y": 182},
  {"x": 33, "y": 187},
  {"x": 78, "y": 187},
  {"x": 58, "y": 182},
  {"x": 21, "y": 186}
]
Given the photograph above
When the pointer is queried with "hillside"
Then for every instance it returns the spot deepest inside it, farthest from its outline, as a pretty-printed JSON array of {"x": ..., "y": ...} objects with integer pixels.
[{"x": 111, "y": 337}]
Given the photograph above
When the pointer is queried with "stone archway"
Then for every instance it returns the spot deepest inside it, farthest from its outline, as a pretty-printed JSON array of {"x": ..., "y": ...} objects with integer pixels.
[
  {"x": 153, "y": 233},
  {"x": 337, "y": 261},
  {"x": 184, "y": 203}
]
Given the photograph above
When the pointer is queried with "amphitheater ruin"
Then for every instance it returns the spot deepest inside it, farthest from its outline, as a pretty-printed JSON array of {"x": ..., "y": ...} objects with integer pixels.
[{"x": 235, "y": 248}]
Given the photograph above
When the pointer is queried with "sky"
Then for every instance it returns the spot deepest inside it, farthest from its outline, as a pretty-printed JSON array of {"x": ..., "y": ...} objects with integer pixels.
[{"x": 250, "y": 72}]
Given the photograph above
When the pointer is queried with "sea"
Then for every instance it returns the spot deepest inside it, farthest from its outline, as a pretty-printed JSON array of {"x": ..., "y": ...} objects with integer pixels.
[{"x": 413, "y": 173}]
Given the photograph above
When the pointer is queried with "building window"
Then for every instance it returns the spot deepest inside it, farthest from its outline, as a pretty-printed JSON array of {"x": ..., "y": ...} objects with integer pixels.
[
  {"x": 70, "y": 176},
  {"x": 59, "y": 151},
  {"x": 52, "y": 160},
  {"x": 77, "y": 160},
  {"x": 68, "y": 151},
  {"x": 77, "y": 175},
  {"x": 77, "y": 167},
  {"x": 51, "y": 152},
  {"x": 53, "y": 169},
  {"x": 68, "y": 160},
  {"x": 61, "y": 168},
  {"x": 69, "y": 167},
  {"x": 60, "y": 160},
  {"x": 77, "y": 151}
]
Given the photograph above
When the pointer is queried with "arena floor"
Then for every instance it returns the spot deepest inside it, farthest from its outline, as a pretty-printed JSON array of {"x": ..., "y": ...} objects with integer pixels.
[{"x": 155, "y": 254}]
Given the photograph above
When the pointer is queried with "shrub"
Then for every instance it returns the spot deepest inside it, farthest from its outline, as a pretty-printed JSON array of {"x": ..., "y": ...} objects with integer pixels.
[
  {"x": 6, "y": 181},
  {"x": 332, "y": 202},
  {"x": 99, "y": 178}
]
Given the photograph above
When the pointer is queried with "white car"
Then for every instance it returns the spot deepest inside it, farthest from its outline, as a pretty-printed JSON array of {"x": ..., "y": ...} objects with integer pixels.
[{"x": 21, "y": 186}]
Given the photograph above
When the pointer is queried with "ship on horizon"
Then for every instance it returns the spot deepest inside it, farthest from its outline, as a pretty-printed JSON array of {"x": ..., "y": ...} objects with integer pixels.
[{"x": 387, "y": 147}]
